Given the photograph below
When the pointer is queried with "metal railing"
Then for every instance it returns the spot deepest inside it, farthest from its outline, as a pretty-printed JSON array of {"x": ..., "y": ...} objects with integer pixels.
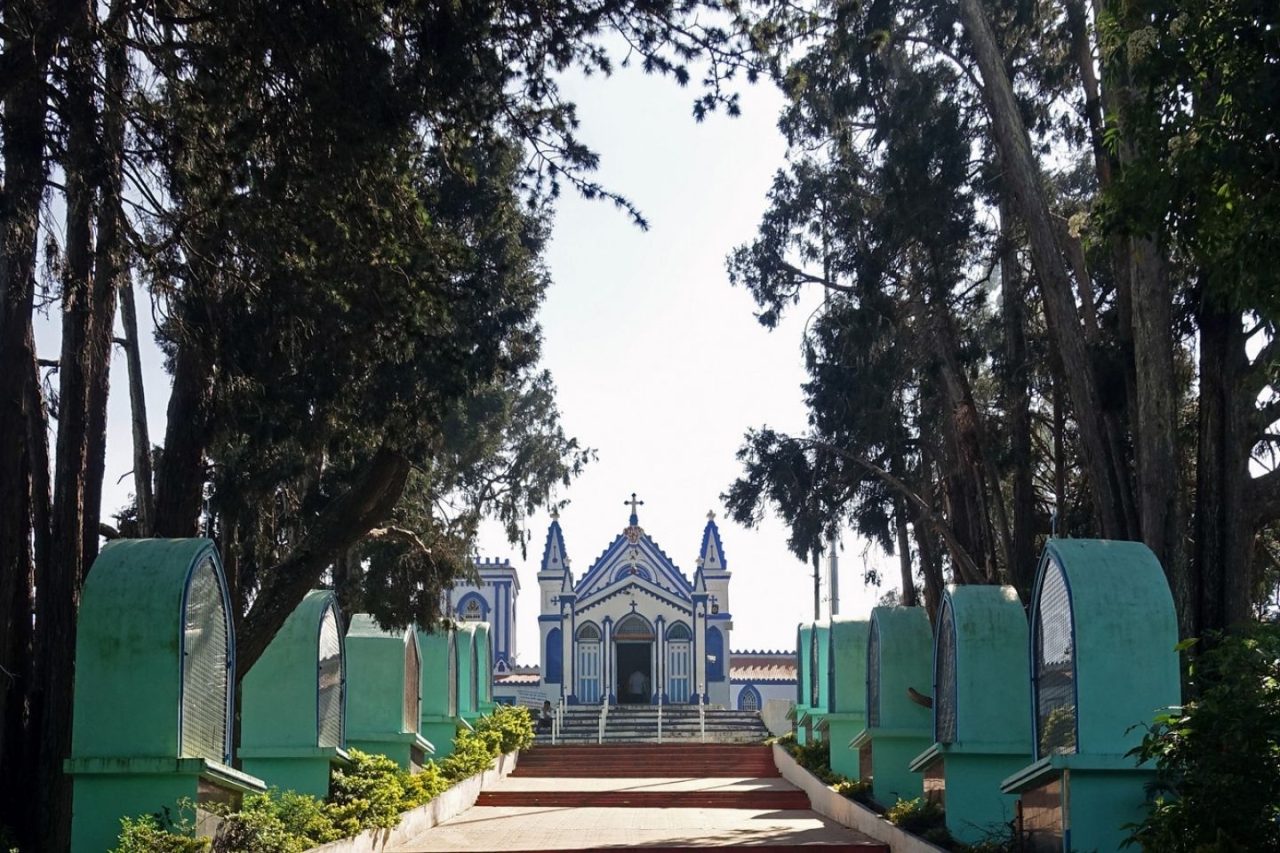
[
  {"x": 659, "y": 716},
  {"x": 702, "y": 717},
  {"x": 557, "y": 722},
  {"x": 604, "y": 720}
]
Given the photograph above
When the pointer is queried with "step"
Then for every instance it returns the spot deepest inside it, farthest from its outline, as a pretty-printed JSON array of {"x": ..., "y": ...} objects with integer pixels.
[{"x": 771, "y": 800}]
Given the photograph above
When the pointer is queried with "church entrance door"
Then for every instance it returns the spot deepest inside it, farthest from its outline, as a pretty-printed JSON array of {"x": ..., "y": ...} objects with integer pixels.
[{"x": 635, "y": 673}]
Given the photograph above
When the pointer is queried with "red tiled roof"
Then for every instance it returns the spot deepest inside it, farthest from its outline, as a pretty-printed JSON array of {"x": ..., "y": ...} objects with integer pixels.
[
  {"x": 517, "y": 678},
  {"x": 774, "y": 671}
]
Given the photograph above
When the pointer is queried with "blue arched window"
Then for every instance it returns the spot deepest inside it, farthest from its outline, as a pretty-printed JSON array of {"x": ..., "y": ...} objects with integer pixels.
[
  {"x": 749, "y": 698},
  {"x": 554, "y": 657},
  {"x": 472, "y": 608},
  {"x": 715, "y": 655}
]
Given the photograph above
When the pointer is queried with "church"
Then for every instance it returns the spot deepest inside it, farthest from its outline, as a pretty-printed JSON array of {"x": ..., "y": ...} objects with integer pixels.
[{"x": 634, "y": 628}]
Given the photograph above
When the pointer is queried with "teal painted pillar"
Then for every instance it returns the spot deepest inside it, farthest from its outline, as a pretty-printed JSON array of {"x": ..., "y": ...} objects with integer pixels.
[
  {"x": 384, "y": 687},
  {"x": 819, "y": 680},
  {"x": 800, "y": 713},
  {"x": 1103, "y": 663},
  {"x": 483, "y": 668},
  {"x": 154, "y": 687},
  {"x": 899, "y": 658},
  {"x": 293, "y": 710},
  {"x": 847, "y": 692},
  {"x": 440, "y": 718},
  {"x": 981, "y": 731},
  {"x": 468, "y": 680}
]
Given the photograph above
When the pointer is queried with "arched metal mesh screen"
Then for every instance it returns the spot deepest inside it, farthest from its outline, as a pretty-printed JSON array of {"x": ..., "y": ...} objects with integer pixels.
[
  {"x": 206, "y": 655},
  {"x": 944, "y": 677},
  {"x": 329, "y": 704},
  {"x": 477, "y": 672},
  {"x": 453, "y": 674},
  {"x": 412, "y": 685},
  {"x": 873, "y": 675},
  {"x": 814, "y": 675},
  {"x": 749, "y": 700},
  {"x": 1054, "y": 675}
]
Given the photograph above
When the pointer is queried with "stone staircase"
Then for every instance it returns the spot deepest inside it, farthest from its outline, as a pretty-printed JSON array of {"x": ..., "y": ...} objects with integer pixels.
[{"x": 639, "y": 724}]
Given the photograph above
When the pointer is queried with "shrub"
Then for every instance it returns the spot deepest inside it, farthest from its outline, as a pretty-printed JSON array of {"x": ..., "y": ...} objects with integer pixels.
[
  {"x": 1217, "y": 786},
  {"x": 917, "y": 815},
  {"x": 147, "y": 834},
  {"x": 373, "y": 792},
  {"x": 513, "y": 723}
]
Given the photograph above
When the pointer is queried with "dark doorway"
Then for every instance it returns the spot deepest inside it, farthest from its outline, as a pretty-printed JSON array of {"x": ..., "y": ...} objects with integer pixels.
[{"x": 635, "y": 673}]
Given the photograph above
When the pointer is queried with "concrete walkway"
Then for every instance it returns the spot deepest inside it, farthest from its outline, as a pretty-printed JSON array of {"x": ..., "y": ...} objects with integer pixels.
[{"x": 521, "y": 828}]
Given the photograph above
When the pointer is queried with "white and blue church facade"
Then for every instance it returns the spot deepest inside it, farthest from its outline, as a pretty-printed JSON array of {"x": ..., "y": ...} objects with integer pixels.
[
  {"x": 634, "y": 629},
  {"x": 492, "y": 601}
]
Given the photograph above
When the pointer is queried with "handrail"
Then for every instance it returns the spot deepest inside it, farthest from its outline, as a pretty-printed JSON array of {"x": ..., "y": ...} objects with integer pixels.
[
  {"x": 659, "y": 716},
  {"x": 702, "y": 717},
  {"x": 604, "y": 720},
  {"x": 556, "y": 717}
]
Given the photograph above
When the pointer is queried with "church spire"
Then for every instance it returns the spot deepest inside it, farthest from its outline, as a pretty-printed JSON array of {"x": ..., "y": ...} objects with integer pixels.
[
  {"x": 711, "y": 554},
  {"x": 554, "y": 558}
]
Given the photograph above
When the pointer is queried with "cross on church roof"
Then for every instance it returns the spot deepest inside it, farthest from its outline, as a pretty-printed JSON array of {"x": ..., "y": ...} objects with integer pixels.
[{"x": 633, "y": 503}]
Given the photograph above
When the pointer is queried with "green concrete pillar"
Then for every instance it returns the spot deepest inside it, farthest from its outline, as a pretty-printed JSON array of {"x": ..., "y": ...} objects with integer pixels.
[
  {"x": 899, "y": 660},
  {"x": 384, "y": 688},
  {"x": 1103, "y": 663},
  {"x": 847, "y": 691},
  {"x": 154, "y": 687},
  {"x": 981, "y": 729},
  {"x": 440, "y": 718},
  {"x": 293, "y": 710}
]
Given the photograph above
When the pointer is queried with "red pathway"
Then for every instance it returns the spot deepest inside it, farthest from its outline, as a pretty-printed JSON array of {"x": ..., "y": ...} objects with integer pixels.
[{"x": 660, "y": 797}]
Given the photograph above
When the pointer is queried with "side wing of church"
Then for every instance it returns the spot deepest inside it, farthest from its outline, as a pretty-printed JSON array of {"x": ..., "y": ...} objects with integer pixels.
[{"x": 633, "y": 627}]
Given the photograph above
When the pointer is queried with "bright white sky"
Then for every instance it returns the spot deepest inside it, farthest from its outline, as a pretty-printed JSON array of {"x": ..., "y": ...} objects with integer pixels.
[{"x": 660, "y": 364}]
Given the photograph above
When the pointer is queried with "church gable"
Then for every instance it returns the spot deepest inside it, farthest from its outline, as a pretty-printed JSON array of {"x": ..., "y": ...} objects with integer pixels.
[
  {"x": 629, "y": 558},
  {"x": 637, "y": 589}
]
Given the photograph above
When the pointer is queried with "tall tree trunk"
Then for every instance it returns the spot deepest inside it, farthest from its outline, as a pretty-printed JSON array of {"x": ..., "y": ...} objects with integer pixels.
[
  {"x": 143, "y": 478},
  {"x": 909, "y": 596},
  {"x": 181, "y": 474},
  {"x": 22, "y": 127},
  {"x": 58, "y": 581},
  {"x": 1107, "y": 474},
  {"x": 1017, "y": 393},
  {"x": 1223, "y": 524},
  {"x": 337, "y": 528}
]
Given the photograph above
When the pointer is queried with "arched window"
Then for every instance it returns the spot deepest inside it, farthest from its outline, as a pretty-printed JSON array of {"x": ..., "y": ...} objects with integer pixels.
[
  {"x": 206, "y": 662},
  {"x": 554, "y": 657},
  {"x": 749, "y": 699},
  {"x": 944, "y": 676},
  {"x": 679, "y": 632},
  {"x": 412, "y": 684},
  {"x": 1053, "y": 680},
  {"x": 472, "y": 608},
  {"x": 623, "y": 572},
  {"x": 715, "y": 655},
  {"x": 633, "y": 628},
  {"x": 330, "y": 681},
  {"x": 588, "y": 663}
]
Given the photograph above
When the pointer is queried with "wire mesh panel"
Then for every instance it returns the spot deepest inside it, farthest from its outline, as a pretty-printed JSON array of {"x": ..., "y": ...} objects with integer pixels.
[
  {"x": 412, "y": 685},
  {"x": 453, "y": 674},
  {"x": 944, "y": 677},
  {"x": 873, "y": 675},
  {"x": 477, "y": 672},
  {"x": 1054, "y": 666},
  {"x": 330, "y": 682},
  {"x": 814, "y": 675},
  {"x": 206, "y": 656}
]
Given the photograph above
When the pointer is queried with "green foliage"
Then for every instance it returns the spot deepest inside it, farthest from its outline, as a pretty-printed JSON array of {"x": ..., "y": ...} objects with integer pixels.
[
  {"x": 1217, "y": 757},
  {"x": 514, "y": 725},
  {"x": 145, "y": 834},
  {"x": 373, "y": 792},
  {"x": 1059, "y": 734},
  {"x": 917, "y": 815}
]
